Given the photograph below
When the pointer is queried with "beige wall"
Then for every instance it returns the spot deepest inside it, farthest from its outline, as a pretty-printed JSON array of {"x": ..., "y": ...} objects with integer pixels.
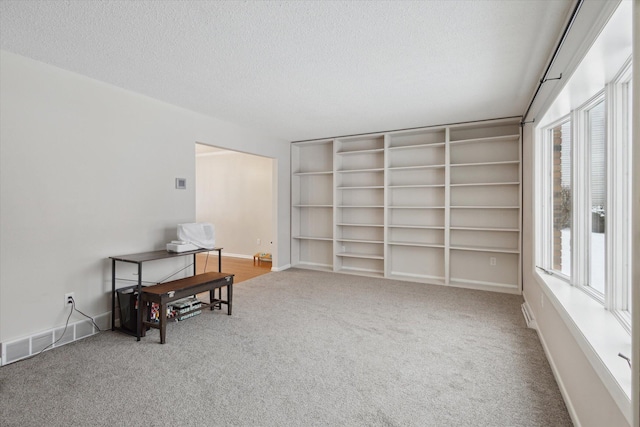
[{"x": 234, "y": 193}]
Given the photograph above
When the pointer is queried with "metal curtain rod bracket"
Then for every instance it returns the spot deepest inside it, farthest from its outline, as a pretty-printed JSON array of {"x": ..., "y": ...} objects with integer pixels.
[
  {"x": 524, "y": 123},
  {"x": 546, "y": 80}
]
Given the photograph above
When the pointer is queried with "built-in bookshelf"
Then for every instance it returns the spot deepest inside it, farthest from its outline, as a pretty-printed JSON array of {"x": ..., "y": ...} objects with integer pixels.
[
  {"x": 416, "y": 205},
  {"x": 359, "y": 210},
  {"x": 436, "y": 205},
  {"x": 484, "y": 182},
  {"x": 312, "y": 205}
]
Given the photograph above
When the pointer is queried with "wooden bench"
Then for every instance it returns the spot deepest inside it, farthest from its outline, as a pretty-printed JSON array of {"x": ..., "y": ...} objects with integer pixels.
[{"x": 165, "y": 293}]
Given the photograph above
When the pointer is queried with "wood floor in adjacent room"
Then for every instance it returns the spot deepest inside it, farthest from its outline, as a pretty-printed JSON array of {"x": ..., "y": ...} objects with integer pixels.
[{"x": 243, "y": 269}]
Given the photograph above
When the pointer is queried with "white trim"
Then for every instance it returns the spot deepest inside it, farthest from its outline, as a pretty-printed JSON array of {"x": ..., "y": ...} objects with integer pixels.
[
  {"x": 224, "y": 255},
  {"x": 222, "y": 152},
  {"x": 556, "y": 374},
  {"x": 528, "y": 315},
  {"x": 284, "y": 267},
  {"x": 619, "y": 189}
]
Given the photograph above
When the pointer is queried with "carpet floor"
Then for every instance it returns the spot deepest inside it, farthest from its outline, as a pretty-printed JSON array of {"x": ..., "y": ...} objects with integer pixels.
[{"x": 304, "y": 348}]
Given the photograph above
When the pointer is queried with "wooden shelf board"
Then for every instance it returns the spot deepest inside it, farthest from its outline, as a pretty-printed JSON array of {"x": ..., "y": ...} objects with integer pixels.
[
  {"x": 362, "y": 187},
  {"x": 484, "y": 229},
  {"x": 360, "y": 241},
  {"x": 312, "y": 206},
  {"x": 514, "y": 137},
  {"x": 504, "y": 162},
  {"x": 361, "y": 206},
  {"x": 313, "y": 173},
  {"x": 344, "y": 224},
  {"x": 416, "y": 207},
  {"x": 368, "y": 150},
  {"x": 485, "y": 207},
  {"x": 484, "y": 249},
  {"x": 422, "y": 245},
  {"x": 401, "y": 168},
  {"x": 329, "y": 239},
  {"x": 408, "y": 147},
  {"x": 361, "y": 170},
  {"x": 481, "y": 184},
  {"x": 355, "y": 255},
  {"x": 417, "y": 186},
  {"x": 422, "y": 227}
]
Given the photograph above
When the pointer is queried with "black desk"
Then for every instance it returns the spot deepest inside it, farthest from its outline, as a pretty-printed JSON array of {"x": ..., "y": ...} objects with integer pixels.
[{"x": 139, "y": 259}]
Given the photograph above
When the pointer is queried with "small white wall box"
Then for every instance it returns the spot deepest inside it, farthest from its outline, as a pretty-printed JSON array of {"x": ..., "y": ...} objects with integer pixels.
[{"x": 181, "y": 183}]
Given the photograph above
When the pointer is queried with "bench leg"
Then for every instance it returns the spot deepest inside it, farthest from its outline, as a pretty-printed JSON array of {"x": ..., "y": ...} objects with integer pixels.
[
  {"x": 229, "y": 297},
  {"x": 163, "y": 322},
  {"x": 146, "y": 314}
]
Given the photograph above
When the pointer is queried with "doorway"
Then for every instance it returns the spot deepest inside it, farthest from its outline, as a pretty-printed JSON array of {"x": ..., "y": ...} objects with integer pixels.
[{"x": 235, "y": 193}]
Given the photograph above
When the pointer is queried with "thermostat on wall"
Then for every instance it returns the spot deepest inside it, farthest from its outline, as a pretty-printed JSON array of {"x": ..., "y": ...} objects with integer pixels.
[{"x": 181, "y": 183}]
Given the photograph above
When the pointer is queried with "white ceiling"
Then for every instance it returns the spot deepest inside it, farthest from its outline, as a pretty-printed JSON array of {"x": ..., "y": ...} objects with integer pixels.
[{"x": 303, "y": 70}]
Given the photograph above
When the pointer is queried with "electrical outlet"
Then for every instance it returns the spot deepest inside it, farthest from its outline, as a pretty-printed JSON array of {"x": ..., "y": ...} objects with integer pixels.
[
  {"x": 258, "y": 241},
  {"x": 69, "y": 298},
  {"x": 492, "y": 261}
]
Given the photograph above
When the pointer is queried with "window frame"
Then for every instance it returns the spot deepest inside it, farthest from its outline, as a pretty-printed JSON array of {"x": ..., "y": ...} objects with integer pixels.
[
  {"x": 582, "y": 215},
  {"x": 546, "y": 180},
  {"x": 618, "y": 197},
  {"x": 619, "y": 185}
]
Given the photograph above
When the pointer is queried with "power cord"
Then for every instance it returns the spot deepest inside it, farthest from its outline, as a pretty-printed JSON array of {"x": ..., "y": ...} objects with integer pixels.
[
  {"x": 73, "y": 302},
  {"x": 56, "y": 341},
  {"x": 173, "y": 274},
  {"x": 66, "y": 325},
  {"x": 182, "y": 269}
]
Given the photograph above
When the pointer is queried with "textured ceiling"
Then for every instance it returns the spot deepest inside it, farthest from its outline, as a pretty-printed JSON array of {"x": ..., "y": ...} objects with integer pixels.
[{"x": 302, "y": 70}]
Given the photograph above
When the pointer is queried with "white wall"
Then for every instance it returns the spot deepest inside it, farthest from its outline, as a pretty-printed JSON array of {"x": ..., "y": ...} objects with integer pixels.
[
  {"x": 87, "y": 171},
  {"x": 233, "y": 192}
]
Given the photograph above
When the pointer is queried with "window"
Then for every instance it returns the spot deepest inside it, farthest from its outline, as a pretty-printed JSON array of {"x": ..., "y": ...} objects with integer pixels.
[{"x": 585, "y": 177}]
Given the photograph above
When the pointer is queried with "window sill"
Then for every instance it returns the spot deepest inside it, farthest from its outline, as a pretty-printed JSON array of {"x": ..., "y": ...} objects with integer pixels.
[{"x": 598, "y": 333}]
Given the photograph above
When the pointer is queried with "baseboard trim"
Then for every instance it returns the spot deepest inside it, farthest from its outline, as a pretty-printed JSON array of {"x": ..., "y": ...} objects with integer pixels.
[
  {"x": 528, "y": 316},
  {"x": 237, "y": 256},
  {"x": 284, "y": 267},
  {"x": 556, "y": 374}
]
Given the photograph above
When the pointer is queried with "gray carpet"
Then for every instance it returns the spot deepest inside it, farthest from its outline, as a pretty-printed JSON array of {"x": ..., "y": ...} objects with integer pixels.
[{"x": 304, "y": 348}]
